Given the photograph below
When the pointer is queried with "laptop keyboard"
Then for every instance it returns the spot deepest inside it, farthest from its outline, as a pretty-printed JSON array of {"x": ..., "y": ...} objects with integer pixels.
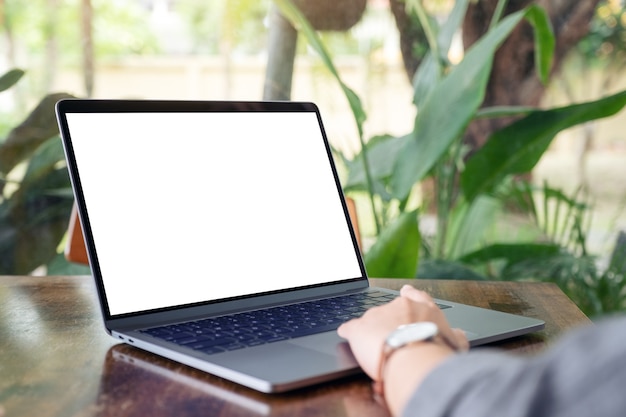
[{"x": 236, "y": 331}]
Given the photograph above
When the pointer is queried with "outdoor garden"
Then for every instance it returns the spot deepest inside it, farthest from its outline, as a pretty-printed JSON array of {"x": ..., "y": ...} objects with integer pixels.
[{"x": 480, "y": 140}]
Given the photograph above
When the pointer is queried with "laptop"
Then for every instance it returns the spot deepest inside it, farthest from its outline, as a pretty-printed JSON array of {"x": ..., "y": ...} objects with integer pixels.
[{"x": 218, "y": 236}]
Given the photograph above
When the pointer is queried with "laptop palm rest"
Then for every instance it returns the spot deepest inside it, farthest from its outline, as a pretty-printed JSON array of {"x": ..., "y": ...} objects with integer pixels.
[{"x": 316, "y": 358}]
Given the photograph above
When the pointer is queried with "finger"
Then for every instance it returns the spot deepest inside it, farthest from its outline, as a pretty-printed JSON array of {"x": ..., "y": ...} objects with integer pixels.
[
  {"x": 415, "y": 295},
  {"x": 455, "y": 339},
  {"x": 345, "y": 329},
  {"x": 461, "y": 340}
]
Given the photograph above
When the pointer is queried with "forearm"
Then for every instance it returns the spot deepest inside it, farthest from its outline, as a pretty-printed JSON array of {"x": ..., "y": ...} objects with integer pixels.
[
  {"x": 584, "y": 375},
  {"x": 406, "y": 369},
  {"x": 474, "y": 384}
]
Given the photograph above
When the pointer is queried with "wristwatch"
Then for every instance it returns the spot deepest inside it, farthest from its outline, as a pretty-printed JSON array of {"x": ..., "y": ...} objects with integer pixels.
[{"x": 405, "y": 335}]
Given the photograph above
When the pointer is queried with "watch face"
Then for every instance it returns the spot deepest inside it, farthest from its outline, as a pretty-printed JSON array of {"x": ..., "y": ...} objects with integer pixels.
[{"x": 410, "y": 333}]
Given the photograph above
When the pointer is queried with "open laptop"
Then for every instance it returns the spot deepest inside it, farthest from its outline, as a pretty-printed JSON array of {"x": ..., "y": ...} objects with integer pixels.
[{"x": 207, "y": 224}]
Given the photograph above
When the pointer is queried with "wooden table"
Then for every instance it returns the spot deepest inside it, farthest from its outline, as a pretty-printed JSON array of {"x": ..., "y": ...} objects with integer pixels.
[{"x": 57, "y": 360}]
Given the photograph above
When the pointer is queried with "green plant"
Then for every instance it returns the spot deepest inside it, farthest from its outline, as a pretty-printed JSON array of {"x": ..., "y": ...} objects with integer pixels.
[
  {"x": 389, "y": 168},
  {"x": 448, "y": 97},
  {"x": 36, "y": 197},
  {"x": 561, "y": 255}
]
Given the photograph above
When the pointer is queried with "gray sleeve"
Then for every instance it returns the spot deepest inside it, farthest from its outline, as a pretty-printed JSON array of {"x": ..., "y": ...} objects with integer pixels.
[{"x": 582, "y": 376}]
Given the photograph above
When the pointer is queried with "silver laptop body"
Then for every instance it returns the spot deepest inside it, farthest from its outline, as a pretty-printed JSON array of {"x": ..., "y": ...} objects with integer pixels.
[{"x": 200, "y": 209}]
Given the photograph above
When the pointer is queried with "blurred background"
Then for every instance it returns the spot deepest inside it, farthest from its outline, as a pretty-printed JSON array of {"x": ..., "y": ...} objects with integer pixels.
[{"x": 248, "y": 50}]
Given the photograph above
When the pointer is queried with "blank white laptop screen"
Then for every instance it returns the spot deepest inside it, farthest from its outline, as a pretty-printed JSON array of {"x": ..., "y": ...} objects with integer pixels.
[{"x": 191, "y": 207}]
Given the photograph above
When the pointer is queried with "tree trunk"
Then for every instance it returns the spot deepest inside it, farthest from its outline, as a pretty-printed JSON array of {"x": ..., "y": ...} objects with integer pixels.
[
  {"x": 51, "y": 44},
  {"x": 281, "y": 55},
  {"x": 412, "y": 37},
  {"x": 334, "y": 15},
  {"x": 88, "y": 52},
  {"x": 514, "y": 81}
]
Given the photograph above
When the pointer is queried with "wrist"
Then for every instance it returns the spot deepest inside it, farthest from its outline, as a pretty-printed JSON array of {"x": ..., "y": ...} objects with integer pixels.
[
  {"x": 407, "y": 368},
  {"x": 403, "y": 336}
]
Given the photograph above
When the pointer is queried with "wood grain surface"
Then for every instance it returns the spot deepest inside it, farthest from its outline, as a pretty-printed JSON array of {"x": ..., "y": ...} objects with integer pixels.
[{"x": 57, "y": 360}]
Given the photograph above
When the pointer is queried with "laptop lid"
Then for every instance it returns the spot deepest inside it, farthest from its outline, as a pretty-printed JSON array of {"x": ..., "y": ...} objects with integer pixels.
[{"x": 196, "y": 207}]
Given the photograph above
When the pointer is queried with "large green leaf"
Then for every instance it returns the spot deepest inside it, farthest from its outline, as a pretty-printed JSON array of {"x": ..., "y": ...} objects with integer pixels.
[
  {"x": 444, "y": 269},
  {"x": 518, "y": 147},
  {"x": 23, "y": 140},
  {"x": 426, "y": 78},
  {"x": 544, "y": 41},
  {"x": 396, "y": 251},
  {"x": 10, "y": 78},
  {"x": 468, "y": 224},
  {"x": 36, "y": 215},
  {"x": 504, "y": 111},
  {"x": 429, "y": 72},
  {"x": 448, "y": 109},
  {"x": 451, "y": 26},
  {"x": 381, "y": 153},
  {"x": 47, "y": 158},
  {"x": 511, "y": 252}
]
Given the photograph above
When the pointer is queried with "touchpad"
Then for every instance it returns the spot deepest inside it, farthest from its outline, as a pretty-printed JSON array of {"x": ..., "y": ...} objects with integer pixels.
[{"x": 327, "y": 342}]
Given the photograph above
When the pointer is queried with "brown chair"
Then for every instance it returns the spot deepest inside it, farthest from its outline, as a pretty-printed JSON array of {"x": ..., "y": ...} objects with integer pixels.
[
  {"x": 355, "y": 220},
  {"x": 76, "y": 252}
]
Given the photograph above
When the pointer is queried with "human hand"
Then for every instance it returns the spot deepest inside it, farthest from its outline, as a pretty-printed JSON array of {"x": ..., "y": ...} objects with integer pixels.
[{"x": 366, "y": 334}]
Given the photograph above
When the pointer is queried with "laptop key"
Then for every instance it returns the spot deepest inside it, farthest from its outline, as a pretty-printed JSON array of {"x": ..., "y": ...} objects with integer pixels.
[
  {"x": 245, "y": 337},
  {"x": 265, "y": 335},
  {"x": 275, "y": 339},
  {"x": 234, "y": 346},
  {"x": 211, "y": 350},
  {"x": 310, "y": 331},
  {"x": 178, "y": 336},
  {"x": 218, "y": 342}
]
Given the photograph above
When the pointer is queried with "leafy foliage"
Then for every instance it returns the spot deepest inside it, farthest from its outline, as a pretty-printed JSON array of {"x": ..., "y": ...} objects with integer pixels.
[
  {"x": 36, "y": 197},
  {"x": 236, "y": 22},
  {"x": 606, "y": 41},
  {"x": 563, "y": 257},
  {"x": 461, "y": 92},
  {"x": 517, "y": 148},
  {"x": 448, "y": 97},
  {"x": 10, "y": 78},
  {"x": 395, "y": 253}
]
